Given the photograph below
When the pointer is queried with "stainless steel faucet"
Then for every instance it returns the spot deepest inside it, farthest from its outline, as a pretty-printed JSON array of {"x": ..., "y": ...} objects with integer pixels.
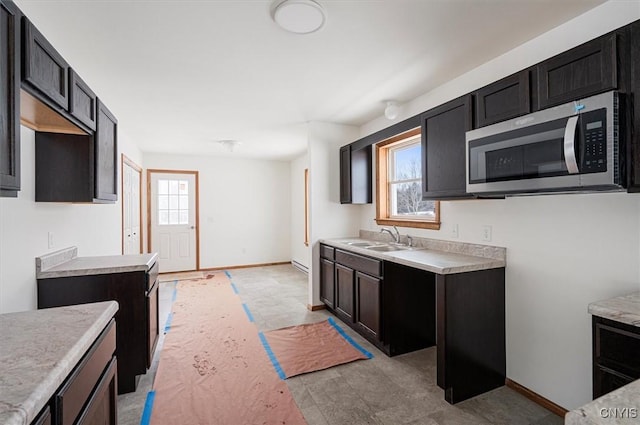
[{"x": 396, "y": 236}]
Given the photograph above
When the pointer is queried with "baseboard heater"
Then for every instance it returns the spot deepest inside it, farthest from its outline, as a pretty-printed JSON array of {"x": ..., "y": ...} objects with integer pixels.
[{"x": 299, "y": 266}]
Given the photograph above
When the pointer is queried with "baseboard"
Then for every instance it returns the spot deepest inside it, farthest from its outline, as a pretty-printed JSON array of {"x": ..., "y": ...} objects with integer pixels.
[
  {"x": 316, "y": 307},
  {"x": 243, "y": 266},
  {"x": 536, "y": 398}
]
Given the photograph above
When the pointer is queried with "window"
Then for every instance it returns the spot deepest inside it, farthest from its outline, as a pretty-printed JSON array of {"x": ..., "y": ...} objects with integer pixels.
[
  {"x": 173, "y": 202},
  {"x": 399, "y": 184}
]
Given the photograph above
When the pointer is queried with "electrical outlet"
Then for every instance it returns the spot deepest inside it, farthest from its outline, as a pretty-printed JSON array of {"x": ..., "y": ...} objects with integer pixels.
[
  {"x": 454, "y": 231},
  {"x": 50, "y": 240},
  {"x": 486, "y": 233}
]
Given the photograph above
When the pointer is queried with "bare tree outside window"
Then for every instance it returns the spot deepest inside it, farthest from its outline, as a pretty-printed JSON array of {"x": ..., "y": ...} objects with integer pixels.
[{"x": 405, "y": 182}]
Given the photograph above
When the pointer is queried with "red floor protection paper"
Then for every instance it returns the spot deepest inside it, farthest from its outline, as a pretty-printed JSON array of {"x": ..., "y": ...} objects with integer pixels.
[
  {"x": 307, "y": 348},
  {"x": 213, "y": 368}
]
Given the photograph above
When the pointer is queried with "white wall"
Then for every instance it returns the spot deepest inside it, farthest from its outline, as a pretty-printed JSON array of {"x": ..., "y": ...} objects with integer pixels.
[
  {"x": 300, "y": 252},
  {"x": 563, "y": 251},
  {"x": 245, "y": 208},
  {"x": 24, "y": 225},
  {"x": 329, "y": 218}
]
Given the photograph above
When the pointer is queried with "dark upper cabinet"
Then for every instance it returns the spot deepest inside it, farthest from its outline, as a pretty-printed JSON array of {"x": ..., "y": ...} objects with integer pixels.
[
  {"x": 10, "y": 98},
  {"x": 82, "y": 101},
  {"x": 588, "y": 69},
  {"x": 355, "y": 175},
  {"x": 633, "y": 148},
  {"x": 106, "y": 155},
  {"x": 44, "y": 68},
  {"x": 504, "y": 99},
  {"x": 345, "y": 174},
  {"x": 79, "y": 168},
  {"x": 443, "y": 150}
]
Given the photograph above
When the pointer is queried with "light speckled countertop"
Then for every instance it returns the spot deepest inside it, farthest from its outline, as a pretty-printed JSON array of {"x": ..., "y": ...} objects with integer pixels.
[
  {"x": 38, "y": 350},
  {"x": 429, "y": 255},
  {"x": 610, "y": 408},
  {"x": 625, "y": 309},
  {"x": 65, "y": 263},
  {"x": 619, "y": 407}
]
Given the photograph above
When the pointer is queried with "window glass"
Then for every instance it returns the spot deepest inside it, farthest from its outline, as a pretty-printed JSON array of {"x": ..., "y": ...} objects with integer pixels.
[
  {"x": 399, "y": 184},
  {"x": 173, "y": 202}
]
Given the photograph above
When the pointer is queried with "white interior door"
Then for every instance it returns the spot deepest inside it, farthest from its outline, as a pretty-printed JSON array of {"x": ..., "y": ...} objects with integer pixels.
[
  {"x": 173, "y": 220},
  {"x": 131, "y": 225}
]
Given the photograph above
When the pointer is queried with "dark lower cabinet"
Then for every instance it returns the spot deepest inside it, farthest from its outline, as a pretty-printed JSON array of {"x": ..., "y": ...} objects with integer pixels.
[
  {"x": 470, "y": 333},
  {"x": 391, "y": 305},
  {"x": 10, "y": 19},
  {"x": 137, "y": 317},
  {"x": 327, "y": 282},
  {"x": 344, "y": 303},
  {"x": 444, "y": 149},
  {"x": 369, "y": 305},
  {"x": 44, "y": 418},
  {"x": 616, "y": 355},
  {"x": 583, "y": 71}
]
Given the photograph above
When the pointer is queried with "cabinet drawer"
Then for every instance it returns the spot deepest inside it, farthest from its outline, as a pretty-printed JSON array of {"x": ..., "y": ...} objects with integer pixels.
[
  {"x": 71, "y": 399},
  {"x": 362, "y": 264},
  {"x": 618, "y": 349},
  {"x": 607, "y": 380},
  {"x": 327, "y": 252},
  {"x": 44, "y": 418}
]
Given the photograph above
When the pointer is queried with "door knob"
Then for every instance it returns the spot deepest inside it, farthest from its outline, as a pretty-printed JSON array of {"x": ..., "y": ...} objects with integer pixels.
[{"x": 192, "y": 227}]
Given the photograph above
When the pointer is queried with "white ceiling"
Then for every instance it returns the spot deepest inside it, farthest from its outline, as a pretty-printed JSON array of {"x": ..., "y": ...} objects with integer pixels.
[{"x": 180, "y": 75}]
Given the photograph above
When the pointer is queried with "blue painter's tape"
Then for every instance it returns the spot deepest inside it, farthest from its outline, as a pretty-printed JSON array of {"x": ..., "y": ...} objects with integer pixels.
[
  {"x": 246, "y": 310},
  {"x": 349, "y": 339},
  {"x": 228, "y": 274},
  {"x": 167, "y": 326},
  {"x": 175, "y": 291},
  {"x": 234, "y": 288},
  {"x": 272, "y": 357},
  {"x": 148, "y": 407}
]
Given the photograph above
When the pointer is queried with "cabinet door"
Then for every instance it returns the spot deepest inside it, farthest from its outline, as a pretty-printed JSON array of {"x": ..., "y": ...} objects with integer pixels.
[
  {"x": 44, "y": 68},
  {"x": 82, "y": 100},
  {"x": 152, "y": 322},
  {"x": 10, "y": 98},
  {"x": 101, "y": 408},
  {"x": 634, "y": 146},
  {"x": 345, "y": 175},
  {"x": 344, "y": 302},
  {"x": 580, "y": 72},
  {"x": 106, "y": 155},
  {"x": 504, "y": 99},
  {"x": 368, "y": 304},
  {"x": 327, "y": 282},
  {"x": 443, "y": 150}
]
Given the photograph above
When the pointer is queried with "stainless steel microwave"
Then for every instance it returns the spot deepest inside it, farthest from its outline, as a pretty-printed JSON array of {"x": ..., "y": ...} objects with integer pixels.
[{"x": 571, "y": 147}]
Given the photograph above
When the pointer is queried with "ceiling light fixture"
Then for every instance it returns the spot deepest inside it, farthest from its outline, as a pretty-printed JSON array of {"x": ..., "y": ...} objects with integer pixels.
[
  {"x": 298, "y": 16},
  {"x": 392, "y": 110},
  {"x": 229, "y": 144}
]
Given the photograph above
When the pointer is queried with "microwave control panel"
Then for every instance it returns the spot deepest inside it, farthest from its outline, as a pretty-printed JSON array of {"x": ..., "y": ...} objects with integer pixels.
[{"x": 594, "y": 141}]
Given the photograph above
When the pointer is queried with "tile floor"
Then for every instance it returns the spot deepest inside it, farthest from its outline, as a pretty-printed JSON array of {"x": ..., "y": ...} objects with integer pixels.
[{"x": 383, "y": 390}]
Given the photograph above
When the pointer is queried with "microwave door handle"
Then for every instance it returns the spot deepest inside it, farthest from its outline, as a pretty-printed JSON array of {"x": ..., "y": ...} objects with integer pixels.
[{"x": 570, "y": 145}]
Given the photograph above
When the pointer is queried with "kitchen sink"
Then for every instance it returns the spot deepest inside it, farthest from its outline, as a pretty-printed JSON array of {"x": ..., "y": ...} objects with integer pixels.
[
  {"x": 364, "y": 244},
  {"x": 385, "y": 248}
]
